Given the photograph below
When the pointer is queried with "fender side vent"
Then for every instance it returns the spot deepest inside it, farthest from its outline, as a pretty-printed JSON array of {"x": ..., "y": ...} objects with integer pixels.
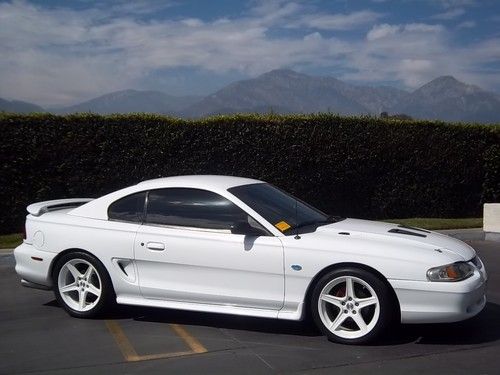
[
  {"x": 345, "y": 233},
  {"x": 413, "y": 228},
  {"x": 407, "y": 232},
  {"x": 122, "y": 267},
  {"x": 126, "y": 267}
]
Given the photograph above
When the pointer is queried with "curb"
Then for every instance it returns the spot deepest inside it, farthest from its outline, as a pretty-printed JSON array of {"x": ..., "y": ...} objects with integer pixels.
[
  {"x": 471, "y": 234},
  {"x": 491, "y": 236}
]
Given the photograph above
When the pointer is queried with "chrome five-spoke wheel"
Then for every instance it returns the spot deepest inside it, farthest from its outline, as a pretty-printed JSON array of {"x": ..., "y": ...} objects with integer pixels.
[
  {"x": 79, "y": 284},
  {"x": 82, "y": 285},
  {"x": 352, "y": 305},
  {"x": 349, "y": 307}
]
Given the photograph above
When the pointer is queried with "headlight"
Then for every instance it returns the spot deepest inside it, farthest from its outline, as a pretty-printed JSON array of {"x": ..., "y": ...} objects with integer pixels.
[
  {"x": 450, "y": 272},
  {"x": 477, "y": 262}
]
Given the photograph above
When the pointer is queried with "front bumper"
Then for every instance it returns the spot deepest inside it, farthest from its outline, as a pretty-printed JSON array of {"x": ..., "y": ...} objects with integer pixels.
[
  {"x": 33, "y": 266},
  {"x": 441, "y": 302}
]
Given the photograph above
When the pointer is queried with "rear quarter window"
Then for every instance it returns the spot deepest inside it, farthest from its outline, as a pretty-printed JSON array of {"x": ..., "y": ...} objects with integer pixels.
[{"x": 129, "y": 208}]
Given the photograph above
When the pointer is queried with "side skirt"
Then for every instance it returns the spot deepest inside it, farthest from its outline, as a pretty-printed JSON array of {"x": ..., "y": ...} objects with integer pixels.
[
  {"x": 219, "y": 309},
  {"x": 29, "y": 284}
]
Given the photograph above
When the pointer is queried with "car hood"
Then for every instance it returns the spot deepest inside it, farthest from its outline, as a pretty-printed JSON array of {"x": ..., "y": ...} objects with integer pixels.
[{"x": 376, "y": 230}]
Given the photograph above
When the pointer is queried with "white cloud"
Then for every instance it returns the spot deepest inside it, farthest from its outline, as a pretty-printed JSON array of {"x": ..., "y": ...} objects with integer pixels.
[
  {"x": 423, "y": 27},
  {"x": 466, "y": 25},
  {"x": 272, "y": 11},
  {"x": 381, "y": 31},
  {"x": 455, "y": 3},
  {"x": 449, "y": 14},
  {"x": 406, "y": 53},
  {"x": 384, "y": 30},
  {"x": 417, "y": 53},
  {"x": 413, "y": 69},
  {"x": 337, "y": 21},
  {"x": 192, "y": 22}
]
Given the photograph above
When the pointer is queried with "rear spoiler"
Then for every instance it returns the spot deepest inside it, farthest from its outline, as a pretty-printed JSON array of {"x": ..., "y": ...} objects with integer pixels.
[{"x": 38, "y": 209}]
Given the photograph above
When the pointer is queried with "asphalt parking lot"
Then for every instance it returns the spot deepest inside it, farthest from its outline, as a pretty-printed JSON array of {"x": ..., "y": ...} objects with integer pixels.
[{"x": 37, "y": 336}]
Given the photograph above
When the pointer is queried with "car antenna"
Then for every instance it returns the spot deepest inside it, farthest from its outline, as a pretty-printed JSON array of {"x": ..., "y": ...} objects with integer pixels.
[{"x": 297, "y": 237}]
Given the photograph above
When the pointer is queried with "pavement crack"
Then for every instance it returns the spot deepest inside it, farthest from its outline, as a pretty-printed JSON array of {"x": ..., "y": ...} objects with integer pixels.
[{"x": 250, "y": 348}]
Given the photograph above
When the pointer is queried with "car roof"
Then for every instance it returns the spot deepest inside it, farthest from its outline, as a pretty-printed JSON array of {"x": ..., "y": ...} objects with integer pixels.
[
  {"x": 215, "y": 182},
  {"x": 98, "y": 208}
]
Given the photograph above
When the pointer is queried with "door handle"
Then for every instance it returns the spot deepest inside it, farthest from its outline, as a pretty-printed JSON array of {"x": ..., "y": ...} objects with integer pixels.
[{"x": 158, "y": 246}]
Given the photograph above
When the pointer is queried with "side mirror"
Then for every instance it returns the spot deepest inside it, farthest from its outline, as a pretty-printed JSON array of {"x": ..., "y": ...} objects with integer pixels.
[{"x": 243, "y": 227}]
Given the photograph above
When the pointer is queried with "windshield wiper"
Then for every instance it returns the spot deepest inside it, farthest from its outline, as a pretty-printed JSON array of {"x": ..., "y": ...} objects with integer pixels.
[
  {"x": 334, "y": 218},
  {"x": 304, "y": 224},
  {"x": 329, "y": 220}
]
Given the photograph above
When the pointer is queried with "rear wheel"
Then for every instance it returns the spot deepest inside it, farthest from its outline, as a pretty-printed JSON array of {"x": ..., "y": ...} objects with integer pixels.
[
  {"x": 82, "y": 285},
  {"x": 351, "y": 306}
]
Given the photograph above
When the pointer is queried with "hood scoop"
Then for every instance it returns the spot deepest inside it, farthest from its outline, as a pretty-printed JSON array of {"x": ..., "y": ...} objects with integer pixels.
[
  {"x": 406, "y": 232},
  {"x": 413, "y": 228}
]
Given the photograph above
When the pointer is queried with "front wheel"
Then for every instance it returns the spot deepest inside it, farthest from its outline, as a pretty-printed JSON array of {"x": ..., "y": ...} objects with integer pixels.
[
  {"x": 351, "y": 306},
  {"x": 82, "y": 285}
]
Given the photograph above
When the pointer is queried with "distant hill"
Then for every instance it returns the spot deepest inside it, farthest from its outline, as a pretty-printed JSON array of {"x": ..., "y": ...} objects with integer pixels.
[
  {"x": 448, "y": 99},
  {"x": 18, "y": 106},
  {"x": 286, "y": 91},
  {"x": 128, "y": 101}
]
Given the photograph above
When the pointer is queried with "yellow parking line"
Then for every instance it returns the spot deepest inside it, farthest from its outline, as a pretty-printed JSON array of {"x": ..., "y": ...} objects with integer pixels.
[
  {"x": 192, "y": 342},
  {"x": 122, "y": 341},
  {"x": 149, "y": 357},
  {"x": 131, "y": 355}
]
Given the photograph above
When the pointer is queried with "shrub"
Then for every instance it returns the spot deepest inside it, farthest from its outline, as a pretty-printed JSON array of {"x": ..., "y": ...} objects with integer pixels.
[{"x": 362, "y": 167}]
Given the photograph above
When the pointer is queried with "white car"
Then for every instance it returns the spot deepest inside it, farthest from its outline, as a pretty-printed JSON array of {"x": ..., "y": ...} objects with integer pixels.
[{"x": 241, "y": 246}]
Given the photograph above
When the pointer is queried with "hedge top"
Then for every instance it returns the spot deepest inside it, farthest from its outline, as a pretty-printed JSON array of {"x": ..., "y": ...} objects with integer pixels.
[{"x": 242, "y": 117}]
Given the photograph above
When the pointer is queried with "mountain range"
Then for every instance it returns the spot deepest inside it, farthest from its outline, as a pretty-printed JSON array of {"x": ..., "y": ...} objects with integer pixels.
[
  {"x": 18, "y": 106},
  {"x": 129, "y": 101},
  {"x": 286, "y": 91}
]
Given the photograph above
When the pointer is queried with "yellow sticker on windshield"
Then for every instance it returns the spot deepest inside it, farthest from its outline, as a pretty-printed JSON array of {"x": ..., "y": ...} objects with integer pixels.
[{"x": 282, "y": 226}]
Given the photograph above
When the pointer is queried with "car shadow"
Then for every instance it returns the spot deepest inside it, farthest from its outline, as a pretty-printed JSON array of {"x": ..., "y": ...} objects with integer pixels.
[
  {"x": 483, "y": 328},
  {"x": 168, "y": 316}
]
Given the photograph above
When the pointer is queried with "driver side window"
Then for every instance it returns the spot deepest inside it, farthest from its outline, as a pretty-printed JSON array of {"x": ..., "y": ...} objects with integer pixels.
[{"x": 193, "y": 208}]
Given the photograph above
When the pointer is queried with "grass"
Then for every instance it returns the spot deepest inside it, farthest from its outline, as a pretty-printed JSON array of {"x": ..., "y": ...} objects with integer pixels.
[
  {"x": 9, "y": 241},
  {"x": 437, "y": 224}
]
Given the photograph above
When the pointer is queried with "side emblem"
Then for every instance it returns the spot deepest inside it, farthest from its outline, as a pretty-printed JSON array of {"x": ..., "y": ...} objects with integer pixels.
[{"x": 296, "y": 267}]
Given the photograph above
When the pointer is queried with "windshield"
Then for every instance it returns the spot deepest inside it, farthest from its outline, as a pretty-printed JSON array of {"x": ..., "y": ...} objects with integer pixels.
[{"x": 281, "y": 209}]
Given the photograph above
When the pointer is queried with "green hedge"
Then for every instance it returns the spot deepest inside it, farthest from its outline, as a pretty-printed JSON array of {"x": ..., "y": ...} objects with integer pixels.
[{"x": 361, "y": 167}]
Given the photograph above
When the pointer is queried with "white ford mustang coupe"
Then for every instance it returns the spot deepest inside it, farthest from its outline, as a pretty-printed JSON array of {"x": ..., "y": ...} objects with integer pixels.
[{"x": 240, "y": 246}]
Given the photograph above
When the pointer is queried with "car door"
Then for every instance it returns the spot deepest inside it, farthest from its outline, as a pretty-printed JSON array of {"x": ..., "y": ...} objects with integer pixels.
[{"x": 185, "y": 251}]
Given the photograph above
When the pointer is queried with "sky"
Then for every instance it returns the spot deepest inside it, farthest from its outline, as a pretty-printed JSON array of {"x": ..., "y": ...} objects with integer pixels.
[{"x": 58, "y": 52}]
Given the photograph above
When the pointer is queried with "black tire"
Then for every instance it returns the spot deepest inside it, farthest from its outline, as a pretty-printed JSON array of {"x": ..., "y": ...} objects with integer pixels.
[
  {"x": 107, "y": 297},
  {"x": 387, "y": 309}
]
